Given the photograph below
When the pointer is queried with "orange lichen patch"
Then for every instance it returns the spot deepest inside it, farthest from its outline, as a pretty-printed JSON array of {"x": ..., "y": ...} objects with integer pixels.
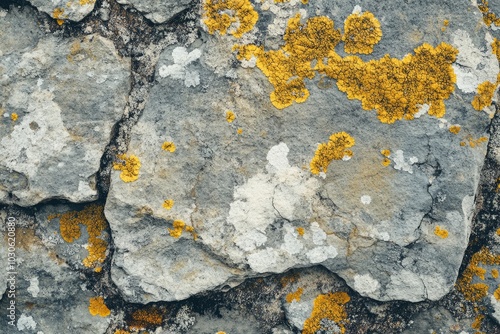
[
  {"x": 190, "y": 229},
  {"x": 294, "y": 295},
  {"x": 455, "y": 129},
  {"x": 488, "y": 16},
  {"x": 476, "y": 291},
  {"x": 495, "y": 45},
  {"x": 92, "y": 217},
  {"x": 300, "y": 231},
  {"x": 168, "y": 146},
  {"x": 121, "y": 331},
  {"x": 230, "y": 116},
  {"x": 144, "y": 318},
  {"x": 97, "y": 307},
  {"x": 335, "y": 149},
  {"x": 289, "y": 279},
  {"x": 361, "y": 33},
  {"x": 219, "y": 15},
  {"x": 494, "y": 273},
  {"x": 476, "y": 324},
  {"x": 498, "y": 231},
  {"x": 386, "y": 162},
  {"x": 385, "y": 153},
  {"x": 219, "y": 332},
  {"x": 496, "y": 294},
  {"x": 445, "y": 24},
  {"x": 178, "y": 227},
  {"x": 129, "y": 167},
  {"x": 58, "y": 14},
  {"x": 239, "y": 131},
  {"x": 480, "y": 272},
  {"x": 13, "y": 116},
  {"x": 474, "y": 142},
  {"x": 168, "y": 204},
  {"x": 86, "y": 2},
  {"x": 441, "y": 232},
  {"x": 484, "y": 95},
  {"x": 396, "y": 88},
  {"x": 287, "y": 67},
  {"x": 328, "y": 306},
  {"x": 97, "y": 269}
]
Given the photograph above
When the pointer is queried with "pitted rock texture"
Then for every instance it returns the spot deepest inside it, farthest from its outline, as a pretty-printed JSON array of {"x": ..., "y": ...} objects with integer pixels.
[
  {"x": 60, "y": 98},
  {"x": 394, "y": 227},
  {"x": 158, "y": 11},
  {"x": 65, "y": 9}
]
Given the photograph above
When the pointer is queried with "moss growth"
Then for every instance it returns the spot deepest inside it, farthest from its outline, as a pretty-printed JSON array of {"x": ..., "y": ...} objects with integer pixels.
[
  {"x": 441, "y": 232},
  {"x": 97, "y": 307},
  {"x": 335, "y": 149},
  {"x": 294, "y": 295},
  {"x": 219, "y": 15},
  {"x": 361, "y": 33},
  {"x": 129, "y": 167},
  {"x": 328, "y": 306},
  {"x": 168, "y": 146}
]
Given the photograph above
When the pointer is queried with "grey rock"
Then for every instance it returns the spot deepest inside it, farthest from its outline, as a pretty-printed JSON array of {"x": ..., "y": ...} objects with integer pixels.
[
  {"x": 158, "y": 11},
  {"x": 67, "y": 94},
  {"x": 246, "y": 195},
  {"x": 65, "y": 10}
]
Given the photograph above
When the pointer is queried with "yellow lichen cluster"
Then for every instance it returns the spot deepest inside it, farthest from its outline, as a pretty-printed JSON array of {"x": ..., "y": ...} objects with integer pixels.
[
  {"x": 445, "y": 25},
  {"x": 86, "y": 2},
  {"x": 220, "y": 332},
  {"x": 494, "y": 273},
  {"x": 386, "y": 161},
  {"x": 168, "y": 146},
  {"x": 300, "y": 231},
  {"x": 287, "y": 67},
  {"x": 328, "y": 306},
  {"x": 97, "y": 307},
  {"x": 488, "y": 16},
  {"x": 289, "y": 279},
  {"x": 129, "y": 167},
  {"x": 294, "y": 295},
  {"x": 441, "y": 232},
  {"x": 230, "y": 116},
  {"x": 495, "y": 46},
  {"x": 239, "y": 131},
  {"x": 305, "y": 2},
  {"x": 178, "y": 227},
  {"x": 219, "y": 15},
  {"x": 92, "y": 217},
  {"x": 473, "y": 142},
  {"x": 58, "y": 14},
  {"x": 496, "y": 293},
  {"x": 476, "y": 291},
  {"x": 335, "y": 149},
  {"x": 14, "y": 117},
  {"x": 121, "y": 331},
  {"x": 361, "y": 33},
  {"x": 394, "y": 88},
  {"x": 455, "y": 129},
  {"x": 144, "y": 318},
  {"x": 484, "y": 95},
  {"x": 168, "y": 204}
]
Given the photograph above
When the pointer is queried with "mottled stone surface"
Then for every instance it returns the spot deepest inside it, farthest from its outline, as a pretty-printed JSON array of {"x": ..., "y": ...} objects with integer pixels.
[
  {"x": 158, "y": 11},
  {"x": 246, "y": 194},
  {"x": 65, "y": 9},
  {"x": 60, "y": 98}
]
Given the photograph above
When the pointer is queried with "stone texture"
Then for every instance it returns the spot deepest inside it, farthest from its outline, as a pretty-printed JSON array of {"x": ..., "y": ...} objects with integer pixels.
[
  {"x": 246, "y": 194},
  {"x": 67, "y": 94},
  {"x": 65, "y": 10},
  {"x": 158, "y": 11}
]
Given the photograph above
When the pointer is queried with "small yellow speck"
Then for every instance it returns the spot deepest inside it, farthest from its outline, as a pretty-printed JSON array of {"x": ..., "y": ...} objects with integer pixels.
[
  {"x": 168, "y": 146},
  {"x": 494, "y": 273},
  {"x": 441, "y": 232},
  {"x": 98, "y": 269},
  {"x": 446, "y": 23},
  {"x": 385, "y": 153},
  {"x": 455, "y": 129},
  {"x": 168, "y": 204},
  {"x": 300, "y": 231},
  {"x": 13, "y": 116},
  {"x": 386, "y": 162},
  {"x": 239, "y": 131},
  {"x": 230, "y": 116}
]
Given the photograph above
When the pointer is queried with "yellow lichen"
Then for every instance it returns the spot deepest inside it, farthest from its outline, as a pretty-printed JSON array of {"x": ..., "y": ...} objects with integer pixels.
[
  {"x": 476, "y": 324},
  {"x": 97, "y": 269},
  {"x": 220, "y": 332},
  {"x": 219, "y": 15},
  {"x": 441, "y": 232},
  {"x": 168, "y": 204},
  {"x": 474, "y": 142},
  {"x": 484, "y": 95},
  {"x": 498, "y": 231},
  {"x": 495, "y": 46},
  {"x": 488, "y": 16},
  {"x": 335, "y": 149},
  {"x": 230, "y": 116},
  {"x": 385, "y": 153},
  {"x": 239, "y": 131},
  {"x": 58, "y": 14},
  {"x": 480, "y": 272},
  {"x": 92, "y": 217},
  {"x": 496, "y": 293},
  {"x": 300, "y": 231},
  {"x": 13, "y": 116},
  {"x": 86, "y": 2},
  {"x": 328, "y": 306},
  {"x": 168, "y": 146},
  {"x": 178, "y": 226},
  {"x": 361, "y": 33},
  {"x": 144, "y": 318},
  {"x": 386, "y": 162},
  {"x": 121, "y": 331},
  {"x": 97, "y": 307},
  {"x": 494, "y": 273},
  {"x": 129, "y": 167},
  {"x": 294, "y": 295},
  {"x": 455, "y": 129},
  {"x": 287, "y": 67}
]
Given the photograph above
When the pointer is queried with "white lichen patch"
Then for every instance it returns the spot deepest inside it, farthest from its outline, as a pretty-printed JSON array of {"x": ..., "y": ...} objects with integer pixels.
[
  {"x": 366, "y": 284},
  {"x": 401, "y": 164},
  {"x": 473, "y": 66},
  {"x": 178, "y": 70},
  {"x": 366, "y": 199},
  {"x": 321, "y": 254},
  {"x": 291, "y": 244},
  {"x": 33, "y": 289},
  {"x": 263, "y": 260},
  {"x": 422, "y": 110},
  {"x": 408, "y": 281},
  {"x": 318, "y": 235},
  {"x": 282, "y": 13},
  {"x": 25, "y": 323}
]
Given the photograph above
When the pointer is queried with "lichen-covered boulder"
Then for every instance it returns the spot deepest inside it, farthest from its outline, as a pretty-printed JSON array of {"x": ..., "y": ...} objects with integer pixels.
[
  {"x": 158, "y": 11},
  {"x": 292, "y": 135},
  {"x": 59, "y": 101}
]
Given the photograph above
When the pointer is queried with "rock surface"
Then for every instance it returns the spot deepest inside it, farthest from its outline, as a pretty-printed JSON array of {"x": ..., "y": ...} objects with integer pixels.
[
  {"x": 65, "y": 10},
  {"x": 394, "y": 228},
  {"x": 60, "y": 98},
  {"x": 158, "y": 11}
]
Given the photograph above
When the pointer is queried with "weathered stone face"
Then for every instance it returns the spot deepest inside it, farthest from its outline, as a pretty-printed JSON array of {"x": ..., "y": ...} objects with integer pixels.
[
  {"x": 65, "y": 10},
  {"x": 391, "y": 215},
  {"x": 158, "y": 11},
  {"x": 59, "y": 100}
]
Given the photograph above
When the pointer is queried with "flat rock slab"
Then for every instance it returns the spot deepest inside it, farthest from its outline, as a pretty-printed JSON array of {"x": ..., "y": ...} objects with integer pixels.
[
  {"x": 225, "y": 188},
  {"x": 65, "y": 10},
  {"x": 59, "y": 101},
  {"x": 158, "y": 11}
]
